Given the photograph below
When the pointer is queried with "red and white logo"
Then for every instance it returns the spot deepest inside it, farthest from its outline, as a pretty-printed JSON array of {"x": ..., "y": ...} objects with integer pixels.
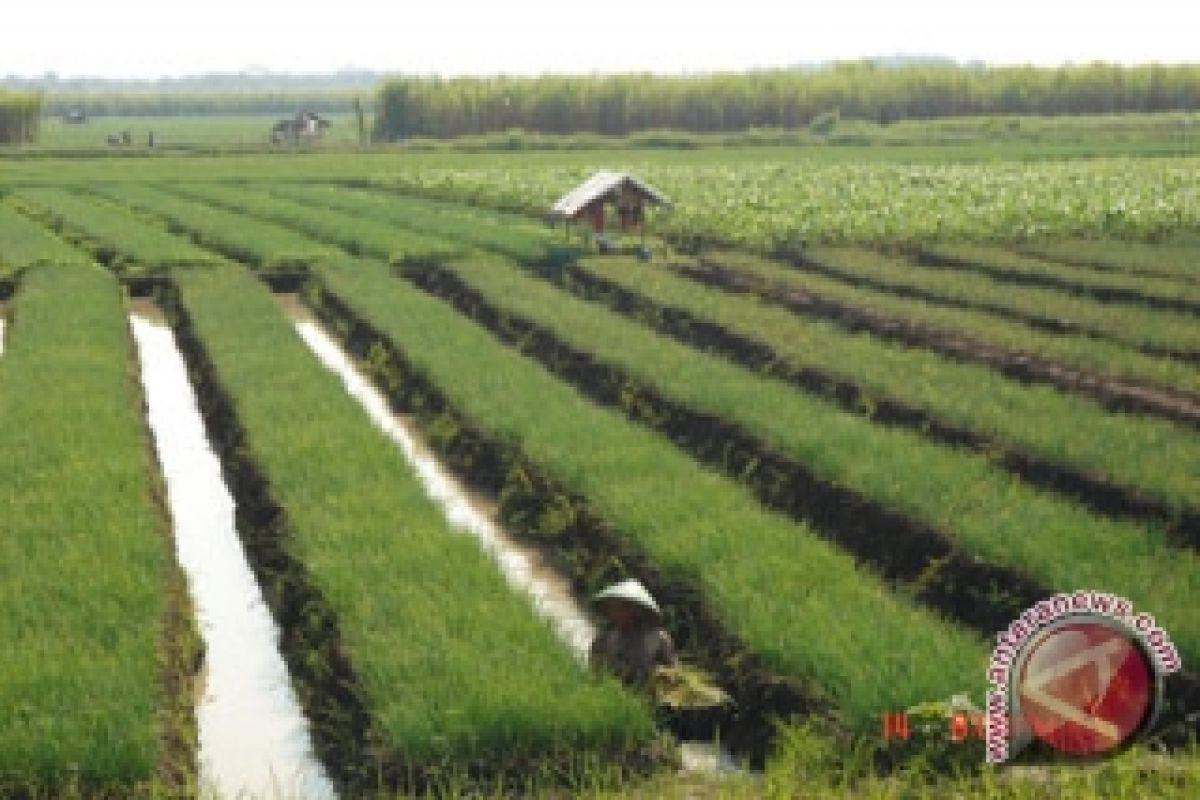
[
  {"x": 1085, "y": 687},
  {"x": 1082, "y": 672}
]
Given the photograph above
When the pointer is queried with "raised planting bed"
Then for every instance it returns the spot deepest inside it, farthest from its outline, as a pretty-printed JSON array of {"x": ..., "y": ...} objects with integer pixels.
[
  {"x": 357, "y": 235},
  {"x": 24, "y": 243},
  {"x": 415, "y": 661},
  {"x": 1154, "y": 332},
  {"x": 1177, "y": 258},
  {"x": 1117, "y": 464},
  {"x": 112, "y": 234},
  {"x": 1004, "y": 265},
  {"x": 1121, "y": 381},
  {"x": 703, "y": 544},
  {"x": 261, "y": 244},
  {"x": 517, "y": 237},
  {"x": 927, "y": 488},
  {"x": 96, "y": 681}
]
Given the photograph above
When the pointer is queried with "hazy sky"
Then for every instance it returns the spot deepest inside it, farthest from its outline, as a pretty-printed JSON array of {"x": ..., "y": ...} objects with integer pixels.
[{"x": 140, "y": 38}]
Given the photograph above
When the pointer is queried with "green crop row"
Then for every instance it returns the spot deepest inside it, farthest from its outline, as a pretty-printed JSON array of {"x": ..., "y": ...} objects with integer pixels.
[
  {"x": 25, "y": 243},
  {"x": 365, "y": 237},
  {"x": 791, "y": 558},
  {"x": 1036, "y": 268},
  {"x": 1101, "y": 357},
  {"x": 90, "y": 680},
  {"x": 112, "y": 234},
  {"x": 261, "y": 244},
  {"x": 453, "y": 665},
  {"x": 1152, "y": 456},
  {"x": 987, "y": 510},
  {"x": 517, "y": 237},
  {"x": 1132, "y": 324},
  {"x": 1176, "y": 258},
  {"x": 778, "y": 586}
]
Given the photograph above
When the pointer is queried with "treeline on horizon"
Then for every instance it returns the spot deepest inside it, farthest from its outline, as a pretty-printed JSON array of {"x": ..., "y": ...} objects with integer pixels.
[
  {"x": 20, "y": 113},
  {"x": 619, "y": 105}
]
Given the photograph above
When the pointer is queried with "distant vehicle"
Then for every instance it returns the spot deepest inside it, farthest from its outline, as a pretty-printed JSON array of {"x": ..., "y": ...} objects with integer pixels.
[{"x": 75, "y": 116}]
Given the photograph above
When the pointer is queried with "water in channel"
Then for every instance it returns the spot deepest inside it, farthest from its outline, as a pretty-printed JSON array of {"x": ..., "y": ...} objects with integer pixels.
[
  {"x": 1, "y": 335},
  {"x": 254, "y": 739},
  {"x": 522, "y": 567}
]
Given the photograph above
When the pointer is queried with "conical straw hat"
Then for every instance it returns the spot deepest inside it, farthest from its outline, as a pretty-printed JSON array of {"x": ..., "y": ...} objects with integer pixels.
[{"x": 629, "y": 591}]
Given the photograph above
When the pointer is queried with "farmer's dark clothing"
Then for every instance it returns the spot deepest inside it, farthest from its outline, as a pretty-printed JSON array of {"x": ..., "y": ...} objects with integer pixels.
[{"x": 632, "y": 654}]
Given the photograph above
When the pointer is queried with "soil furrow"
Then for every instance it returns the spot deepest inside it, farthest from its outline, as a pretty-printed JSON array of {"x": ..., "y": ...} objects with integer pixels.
[
  {"x": 1111, "y": 393},
  {"x": 1101, "y": 496},
  {"x": 1105, "y": 294}
]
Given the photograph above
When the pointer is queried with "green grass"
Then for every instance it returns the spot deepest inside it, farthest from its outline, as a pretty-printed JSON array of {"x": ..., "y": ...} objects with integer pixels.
[
  {"x": 454, "y": 665},
  {"x": 1125, "y": 322},
  {"x": 1153, "y": 456},
  {"x": 989, "y": 511},
  {"x": 113, "y": 234},
  {"x": 1105, "y": 358},
  {"x": 215, "y": 131},
  {"x": 882, "y": 653},
  {"x": 84, "y": 555},
  {"x": 24, "y": 243}
]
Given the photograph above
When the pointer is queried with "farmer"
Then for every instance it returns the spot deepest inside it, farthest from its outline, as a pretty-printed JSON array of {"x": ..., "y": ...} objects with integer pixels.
[{"x": 632, "y": 643}]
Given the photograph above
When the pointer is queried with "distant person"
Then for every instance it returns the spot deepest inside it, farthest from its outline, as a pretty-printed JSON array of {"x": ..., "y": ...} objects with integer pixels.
[
  {"x": 633, "y": 643},
  {"x": 150, "y": 140}
]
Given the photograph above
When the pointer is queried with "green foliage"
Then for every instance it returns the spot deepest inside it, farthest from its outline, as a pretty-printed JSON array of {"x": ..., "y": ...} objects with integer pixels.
[
  {"x": 1125, "y": 322},
  {"x": 20, "y": 114},
  {"x": 24, "y": 243},
  {"x": 515, "y": 236},
  {"x": 1102, "y": 357},
  {"x": 114, "y": 235},
  {"x": 824, "y": 123},
  {"x": 359, "y": 235},
  {"x": 454, "y": 664},
  {"x": 622, "y": 104},
  {"x": 984, "y": 508},
  {"x": 1153, "y": 456},
  {"x": 84, "y": 554},
  {"x": 883, "y": 652},
  {"x": 262, "y": 244}
]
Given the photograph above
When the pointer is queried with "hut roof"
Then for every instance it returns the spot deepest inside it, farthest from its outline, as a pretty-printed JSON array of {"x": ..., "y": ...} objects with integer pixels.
[{"x": 603, "y": 185}]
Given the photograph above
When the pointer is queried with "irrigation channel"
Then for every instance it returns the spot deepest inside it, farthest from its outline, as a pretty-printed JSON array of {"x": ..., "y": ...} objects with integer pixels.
[
  {"x": 1, "y": 331},
  {"x": 253, "y": 738},
  {"x": 523, "y": 567}
]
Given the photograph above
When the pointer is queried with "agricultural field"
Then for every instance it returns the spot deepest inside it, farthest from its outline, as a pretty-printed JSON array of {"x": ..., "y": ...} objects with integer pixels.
[{"x": 853, "y": 417}]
